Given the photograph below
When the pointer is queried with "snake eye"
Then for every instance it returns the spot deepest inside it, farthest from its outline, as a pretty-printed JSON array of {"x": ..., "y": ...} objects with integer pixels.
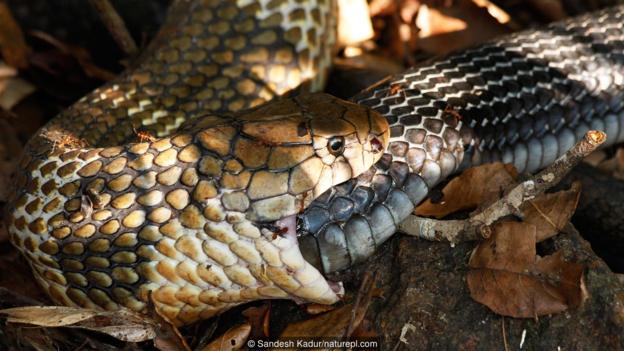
[{"x": 336, "y": 145}]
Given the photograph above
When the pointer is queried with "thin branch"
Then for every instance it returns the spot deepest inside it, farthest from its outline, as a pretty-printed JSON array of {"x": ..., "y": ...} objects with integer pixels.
[
  {"x": 478, "y": 225},
  {"x": 115, "y": 25}
]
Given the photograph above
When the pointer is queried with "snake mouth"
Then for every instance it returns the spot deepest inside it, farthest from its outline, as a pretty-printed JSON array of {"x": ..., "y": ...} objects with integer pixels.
[
  {"x": 286, "y": 228},
  {"x": 376, "y": 145}
]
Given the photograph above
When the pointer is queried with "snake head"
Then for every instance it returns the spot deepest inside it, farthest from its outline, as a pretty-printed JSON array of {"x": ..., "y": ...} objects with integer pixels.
[{"x": 316, "y": 141}]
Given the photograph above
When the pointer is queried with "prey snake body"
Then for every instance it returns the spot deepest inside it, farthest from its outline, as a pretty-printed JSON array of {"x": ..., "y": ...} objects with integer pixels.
[{"x": 523, "y": 99}]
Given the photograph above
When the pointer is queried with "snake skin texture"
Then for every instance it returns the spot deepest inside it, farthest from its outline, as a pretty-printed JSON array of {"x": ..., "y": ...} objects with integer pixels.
[
  {"x": 210, "y": 56},
  {"x": 150, "y": 186},
  {"x": 524, "y": 99},
  {"x": 190, "y": 217},
  {"x": 181, "y": 217}
]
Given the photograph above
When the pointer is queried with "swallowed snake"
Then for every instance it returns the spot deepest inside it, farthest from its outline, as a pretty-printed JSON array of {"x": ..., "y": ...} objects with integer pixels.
[{"x": 199, "y": 217}]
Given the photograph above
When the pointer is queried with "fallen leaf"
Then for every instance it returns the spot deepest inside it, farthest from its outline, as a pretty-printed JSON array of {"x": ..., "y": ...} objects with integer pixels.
[
  {"x": 12, "y": 43},
  {"x": 233, "y": 339},
  {"x": 258, "y": 318},
  {"x": 317, "y": 308},
  {"x": 366, "y": 330},
  {"x": 14, "y": 90},
  {"x": 124, "y": 324},
  {"x": 338, "y": 323},
  {"x": 549, "y": 213},
  {"x": 331, "y": 324},
  {"x": 507, "y": 276},
  {"x": 168, "y": 337},
  {"x": 472, "y": 188}
]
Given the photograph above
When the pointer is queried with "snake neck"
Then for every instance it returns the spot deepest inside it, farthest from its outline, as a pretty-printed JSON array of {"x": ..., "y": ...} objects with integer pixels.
[{"x": 209, "y": 57}]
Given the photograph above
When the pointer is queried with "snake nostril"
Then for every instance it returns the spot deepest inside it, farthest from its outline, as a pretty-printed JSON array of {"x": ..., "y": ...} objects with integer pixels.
[{"x": 377, "y": 145}]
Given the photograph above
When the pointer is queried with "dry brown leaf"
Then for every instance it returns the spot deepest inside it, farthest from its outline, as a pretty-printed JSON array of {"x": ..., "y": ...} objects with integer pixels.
[
  {"x": 168, "y": 337},
  {"x": 549, "y": 213},
  {"x": 472, "y": 188},
  {"x": 366, "y": 330},
  {"x": 508, "y": 277},
  {"x": 13, "y": 90},
  {"x": 338, "y": 323},
  {"x": 12, "y": 43},
  {"x": 259, "y": 319},
  {"x": 233, "y": 339},
  {"x": 317, "y": 308},
  {"x": 331, "y": 324},
  {"x": 123, "y": 324}
]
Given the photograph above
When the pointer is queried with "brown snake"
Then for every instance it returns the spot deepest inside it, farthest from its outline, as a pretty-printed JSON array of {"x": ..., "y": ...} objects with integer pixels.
[{"x": 200, "y": 213}]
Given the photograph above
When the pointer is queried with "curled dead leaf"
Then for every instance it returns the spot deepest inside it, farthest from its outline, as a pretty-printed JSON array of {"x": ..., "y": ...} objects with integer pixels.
[
  {"x": 507, "y": 276},
  {"x": 549, "y": 213},
  {"x": 123, "y": 324},
  {"x": 470, "y": 189}
]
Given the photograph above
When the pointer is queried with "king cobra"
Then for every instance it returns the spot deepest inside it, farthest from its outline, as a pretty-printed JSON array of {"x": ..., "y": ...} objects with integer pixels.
[{"x": 523, "y": 99}]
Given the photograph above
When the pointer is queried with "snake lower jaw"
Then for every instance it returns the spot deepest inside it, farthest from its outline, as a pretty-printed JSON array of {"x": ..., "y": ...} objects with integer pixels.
[{"x": 287, "y": 228}]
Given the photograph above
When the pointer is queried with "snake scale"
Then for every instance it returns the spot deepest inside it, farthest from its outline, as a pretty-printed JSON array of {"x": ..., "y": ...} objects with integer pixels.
[{"x": 199, "y": 215}]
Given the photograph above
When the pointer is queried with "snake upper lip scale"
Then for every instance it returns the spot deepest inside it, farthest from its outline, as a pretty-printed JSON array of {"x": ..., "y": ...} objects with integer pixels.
[{"x": 196, "y": 215}]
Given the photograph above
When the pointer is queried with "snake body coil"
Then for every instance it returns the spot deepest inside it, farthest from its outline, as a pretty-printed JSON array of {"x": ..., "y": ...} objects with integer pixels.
[
  {"x": 200, "y": 214},
  {"x": 524, "y": 99}
]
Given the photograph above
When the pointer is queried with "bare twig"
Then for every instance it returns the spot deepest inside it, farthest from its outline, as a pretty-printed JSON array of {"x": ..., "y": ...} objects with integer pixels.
[
  {"x": 362, "y": 301},
  {"x": 504, "y": 334},
  {"x": 478, "y": 225},
  {"x": 115, "y": 25}
]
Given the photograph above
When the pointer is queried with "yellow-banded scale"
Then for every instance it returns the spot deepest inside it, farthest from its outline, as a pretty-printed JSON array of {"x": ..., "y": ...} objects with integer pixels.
[{"x": 150, "y": 186}]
